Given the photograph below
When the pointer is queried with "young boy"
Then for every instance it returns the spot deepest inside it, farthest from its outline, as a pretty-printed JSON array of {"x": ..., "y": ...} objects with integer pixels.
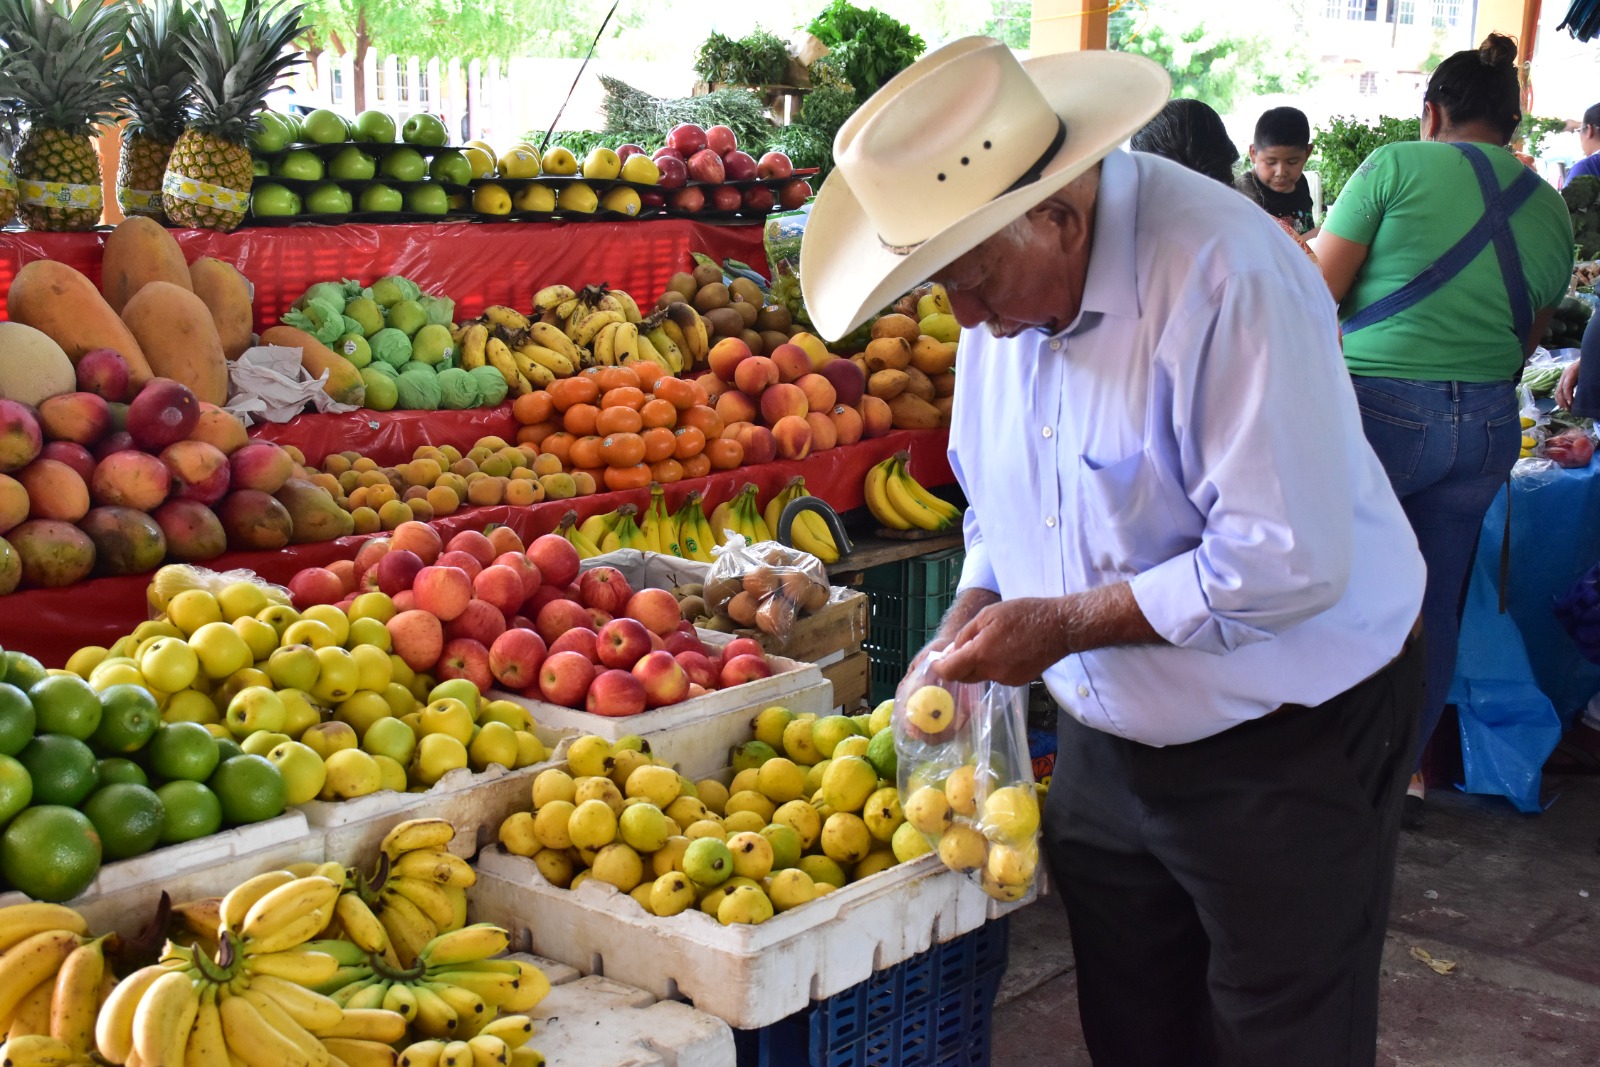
[{"x": 1276, "y": 178}]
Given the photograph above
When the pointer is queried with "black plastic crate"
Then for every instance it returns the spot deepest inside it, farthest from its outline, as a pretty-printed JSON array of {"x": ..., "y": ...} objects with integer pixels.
[
  {"x": 933, "y": 1010},
  {"x": 907, "y": 599}
]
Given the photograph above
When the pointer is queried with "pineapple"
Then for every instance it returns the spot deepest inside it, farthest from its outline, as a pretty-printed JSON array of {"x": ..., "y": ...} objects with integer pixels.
[
  {"x": 157, "y": 83},
  {"x": 10, "y": 133},
  {"x": 60, "y": 68},
  {"x": 234, "y": 65}
]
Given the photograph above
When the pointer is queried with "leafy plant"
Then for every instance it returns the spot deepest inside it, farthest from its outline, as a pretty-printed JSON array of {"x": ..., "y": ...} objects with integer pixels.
[
  {"x": 628, "y": 109},
  {"x": 868, "y": 46},
  {"x": 758, "y": 59},
  {"x": 1532, "y": 131},
  {"x": 825, "y": 110},
  {"x": 1345, "y": 143}
]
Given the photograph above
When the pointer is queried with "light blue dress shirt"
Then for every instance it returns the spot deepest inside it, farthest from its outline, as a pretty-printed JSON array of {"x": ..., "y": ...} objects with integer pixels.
[{"x": 1193, "y": 432}]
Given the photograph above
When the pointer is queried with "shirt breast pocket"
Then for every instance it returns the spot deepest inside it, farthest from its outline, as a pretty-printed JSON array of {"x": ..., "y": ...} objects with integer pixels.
[{"x": 1132, "y": 515}]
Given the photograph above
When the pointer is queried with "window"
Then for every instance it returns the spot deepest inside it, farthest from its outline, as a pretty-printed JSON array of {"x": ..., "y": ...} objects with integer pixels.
[
  {"x": 383, "y": 89},
  {"x": 336, "y": 85},
  {"x": 402, "y": 83},
  {"x": 1350, "y": 10},
  {"x": 1368, "y": 85},
  {"x": 1403, "y": 11},
  {"x": 1446, "y": 14},
  {"x": 424, "y": 89}
]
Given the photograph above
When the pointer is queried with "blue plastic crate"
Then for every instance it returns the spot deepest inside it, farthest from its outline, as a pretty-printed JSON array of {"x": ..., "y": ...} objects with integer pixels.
[
  {"x": 932, "y": 1010},
  {"x": 907, "y": 601}
]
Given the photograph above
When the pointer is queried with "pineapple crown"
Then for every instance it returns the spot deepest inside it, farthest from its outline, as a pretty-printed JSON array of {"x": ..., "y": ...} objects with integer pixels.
[
  {"x": 235, "y": 64},
  {"x": 156, "y": 80},
  {"x": 59, "y": 63}
]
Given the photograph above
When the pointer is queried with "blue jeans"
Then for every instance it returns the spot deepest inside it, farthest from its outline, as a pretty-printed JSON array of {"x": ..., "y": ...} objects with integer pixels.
[{"x": 1447, "y": 448}]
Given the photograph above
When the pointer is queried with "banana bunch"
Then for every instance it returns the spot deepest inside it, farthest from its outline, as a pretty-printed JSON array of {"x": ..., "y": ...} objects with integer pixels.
[
  {"x": 501, "y": 1043},
  {"x": 742, "y": 516},
  {"x": 52, "y": 980},
  {"x": 679, "y": 333},
  {"x": 568, "y": 528},
  {"x": 694, "y": 531},
  {"x": 808, "y": 532},
  {"x": 900, "y": 503},
  {"x": 417, "y": 893},
  {"x": 454, "y": 988},
  {"x": 625, "y": 533},
  {"x": 617, "y": 344},
  {"x": 659, "y": 527},
  {"x": 528, "y": 354},
  {"x": 596, "y": 308},
  {"x": 250, "y": 1004}
]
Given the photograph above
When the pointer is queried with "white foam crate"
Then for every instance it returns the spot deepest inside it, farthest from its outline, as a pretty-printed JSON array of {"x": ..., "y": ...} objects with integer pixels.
[
  {"x": 124, "y": 894},
  {"x": 748, "y": 976},
  {"x": 598, "y": 1022}
]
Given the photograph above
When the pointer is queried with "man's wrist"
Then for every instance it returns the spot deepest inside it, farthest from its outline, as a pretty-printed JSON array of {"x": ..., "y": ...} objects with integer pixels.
[{"x": 966, "y": 607}]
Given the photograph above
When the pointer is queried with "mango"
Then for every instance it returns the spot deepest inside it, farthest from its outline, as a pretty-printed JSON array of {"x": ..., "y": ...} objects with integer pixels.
[{"x": 125, "y": 541}]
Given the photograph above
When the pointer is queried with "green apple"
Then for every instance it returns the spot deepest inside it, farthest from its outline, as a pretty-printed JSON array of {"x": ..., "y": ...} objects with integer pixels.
[
  {"x": 381, "y": 198},
  {"x": 302, "y": 164},
  {"x": 293, "y": 667},
  {"x": 428, "y": 198},
  {"x": 352, "y": 164},
  {"x": 451, "y": 167},
  {"x": 392, "y": 738},
  {"x": 296, "y": 130},
  {"x": 324, "y": 127},
  {"x": 259, "y": 168},
  {"x": 457, "y": 689},
  {"x": 404, "y": 165},
  {"x": 262, "y": 741},
  {"x": 328, "y": 199},
  {"x": 273, "y": 134},
  {"x": 424, "y": 130},
  {"x": 374, "y": 127},
  {"x": 273, "y": 199}
]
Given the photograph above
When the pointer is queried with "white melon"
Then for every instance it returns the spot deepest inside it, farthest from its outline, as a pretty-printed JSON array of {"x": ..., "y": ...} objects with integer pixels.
[{"x": 32, "y": 367}]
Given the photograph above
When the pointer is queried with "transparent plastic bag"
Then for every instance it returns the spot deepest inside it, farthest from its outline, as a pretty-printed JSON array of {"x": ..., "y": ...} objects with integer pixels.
[
  {"x": 982, "y": 823},
  {"x": 176, "y": 578},
  {"x": 764, "y": 584}
]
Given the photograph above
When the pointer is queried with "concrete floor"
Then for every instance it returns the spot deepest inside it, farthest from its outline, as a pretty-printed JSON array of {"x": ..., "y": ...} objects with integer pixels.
[{"x": 1512, "y": 900}]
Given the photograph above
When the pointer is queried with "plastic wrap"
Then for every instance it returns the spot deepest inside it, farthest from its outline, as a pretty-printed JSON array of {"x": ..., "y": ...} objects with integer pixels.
[
  {"x": 176, "y": 578},
  {"x": 1569, "y": 448},
  {"x": 966, "y": 778},
  {"x": 765, "y": 585}
]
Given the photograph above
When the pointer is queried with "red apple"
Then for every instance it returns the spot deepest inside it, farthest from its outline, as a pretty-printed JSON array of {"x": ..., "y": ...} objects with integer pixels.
[
  {"x": 515, "y": 658},
  {"x": 699, "y": 668},
  {"x": 722, "y": 140},
  {"x": 481, "y": 621},
  {"x": 624, "y": 151},
  {"x": 689, "y": 200},
  {"x": 604, "y": 588},
  {"x": 442, "y": 591},
  {"x": 466, "y": 658},
  {"x": 615, "y": 694},
  {"x": 581, "y": 641},
  {"x": 674, "y": 174},
  {"x": 519, "y": 622},
  {"x": 397, "y": 570},
  {"x": 666, "y": 152},
  {"x": 564, "y": 678},
  {"x": 370, "y": 552},
  {"x": 741, "y": 669},
  {"x": 404, "y": 600},
  {"x": 556, "y": 559},
  {"x": 418, "y": 638},
  {"x": 559, "y": 616},
  {"x": 757, "y": 200},
  {"x": 656, "y": 643},
  {"x": 473, "y": 543},
  {"x": 524, "y": 567},
  {"x": 686, "y": 139},
  {"x": 598, "y": 619},
  {"x": 462, "y": 561},
  {"x": 542, "y": 596},
  {"x": 742, "y": 646},
  {"x": 793, "y": 195},
  {"x": 652, "y": 201},
  {"x": 706, "y": 166},
  {"x": 664, "y": 679},
  {"x": 315, "y": 585},
  {"x": 622, "y": 642},
  {"x": 678, "y": 641},
  {"x": 656, "y": 608},
  {"x": 740, "y": 166},
  {"x": 774, "y": 165},
  {"x": 725, "y": 198},
  {"x": 501, "y": 586}
]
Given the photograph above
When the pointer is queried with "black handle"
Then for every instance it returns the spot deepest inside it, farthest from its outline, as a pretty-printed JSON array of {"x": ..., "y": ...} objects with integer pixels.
[{"x": 821, "y": 507}]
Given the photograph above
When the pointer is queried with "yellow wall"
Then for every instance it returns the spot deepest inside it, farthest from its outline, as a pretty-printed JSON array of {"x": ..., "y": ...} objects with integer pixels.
[
  {"x": 1514, "y": 18},
  {"x": 1068, "y": 26}
]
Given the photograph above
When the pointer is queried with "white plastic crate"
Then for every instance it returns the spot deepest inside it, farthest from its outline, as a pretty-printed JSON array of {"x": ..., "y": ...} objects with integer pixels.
[{"x": 748, "y": 976}]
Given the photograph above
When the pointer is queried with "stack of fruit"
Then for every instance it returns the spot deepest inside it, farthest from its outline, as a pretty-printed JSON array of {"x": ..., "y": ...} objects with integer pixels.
[
  {"x": 901, "y": 503},
  {"x": 725, "y": 180},
  {"x": 735, "y": 307},
  {"x": 617, "y": 184},
  {"x": 96, "y": 485},
  {"x": 90, "y": 772},
  {"x": 782, "y": 831}
]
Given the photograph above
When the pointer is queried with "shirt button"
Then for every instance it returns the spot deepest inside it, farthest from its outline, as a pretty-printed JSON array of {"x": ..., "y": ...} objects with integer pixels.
[
  {"x": 1055, "y": 346},
  {"x": 1048, "y": 432},
  {"x": 1083, "y": 690},
  {"x": 1050, "y": 521}
]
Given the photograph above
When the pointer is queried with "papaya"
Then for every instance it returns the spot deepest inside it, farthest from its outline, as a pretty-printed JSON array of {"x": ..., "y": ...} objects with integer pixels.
[
  {"x": 62, "y": 303},
  {"x": 140, "y": 251},
  {"x": 227, "y": 293},
  {"x": 175, "y": 330},
  {"x": 888, "y": 384},
  {"x": 912, "y": 413},
  {"x": 344, "y": 383}
]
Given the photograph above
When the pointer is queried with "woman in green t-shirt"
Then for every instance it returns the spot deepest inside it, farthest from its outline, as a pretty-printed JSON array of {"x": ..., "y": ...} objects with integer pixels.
[{"x": 1447, "y": 257}]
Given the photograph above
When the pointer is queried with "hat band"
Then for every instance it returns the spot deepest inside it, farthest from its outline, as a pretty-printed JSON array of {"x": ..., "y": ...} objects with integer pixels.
[{"x": 1029, "y": 176}]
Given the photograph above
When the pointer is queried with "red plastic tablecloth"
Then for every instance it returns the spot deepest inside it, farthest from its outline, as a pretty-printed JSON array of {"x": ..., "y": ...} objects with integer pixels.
[
  {"x": 53, "y": 623},
  {"x": 387, "y": 437},
  {"x": 476, "y": 264}
]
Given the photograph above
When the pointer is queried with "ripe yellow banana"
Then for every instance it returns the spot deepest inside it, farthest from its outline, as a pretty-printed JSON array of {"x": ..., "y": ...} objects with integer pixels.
[
  {"x": 33, "y": 961},
  {"x": 299, "y": 965},
  {"x": 368, "y": 1025},
  {"x": 526, "y": 1057},
  {"x": 413, "y": 834},
  {"x": 499, "y": 357},
  {"x": 288, "y": 908},
  {"x": 876, "y": 491},
  {"x": 552, "y": 297},
  {"x": 422, "y": 1053},
  {"x": 257, "y": 1043},
  {"x": 568, "y": 528},
  {"x": 33, "y": 1013},
  {"x": 434, "y": 1017},
  {"x": 811, "y": 534},
  {"x": 629, "y": 306},
  {"x": 489, "y": 1051},
  {"x": 693, "y": 329},
  {"x": 533, "y": 985},
  {"x": 360, "y": 924},
  {"x": 625, "y": 342},
  {"x": 446, "y": 868},
  {"x": 21, "y": 921},
  {"x": 431, "y": 898},
  {"x": 284, "y": 1023},
  {"x": 354, "y": 1052},
  {"x": 514, "y": 1030},
  {"x": 493, "y": 988},
  {"x": 626, "y": 533},
  {"x": 207, "y": 1047},
  {"x": 162, "y": 1021},
  {"x": 605, "y": 352},
  {"x": 595, "y": 527},
  {"x": 201, "y": 917},
  {"x": 75, "y": 997},
  {"x": 504, "y": 317},
  {"x": 38, "y": 1050},
  {"x": 456, "y": 1054},
  {"x": 311, "y": 1010},
  {"x": 669, "y": 350},
  {"x": 409, "y": 929},
  {"x": 480, "y": 941},
  {"x": 592, "y": 324},
  {"x": 647, "y": 350},
  {"x": 237, "y": 903},
  {"x": 558, "y": 363},
  {"x": 537, "y": 374},
  {"x": 914, "y": 510},
  {"x": 943, "y": 508},
  {"x": 473, "y": 341},
  {"x": 553, "y": 338},
  {"x": 470, "y": 1009},
  {"x": 113, "y": 1028}
]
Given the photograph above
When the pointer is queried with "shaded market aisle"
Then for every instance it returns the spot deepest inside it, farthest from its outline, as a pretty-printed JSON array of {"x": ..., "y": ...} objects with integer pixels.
[{"x": 1513, "y": 901}]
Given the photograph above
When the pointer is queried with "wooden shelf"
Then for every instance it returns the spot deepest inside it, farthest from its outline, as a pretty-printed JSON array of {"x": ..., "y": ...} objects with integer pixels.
[{"x": 875, "y": 551}]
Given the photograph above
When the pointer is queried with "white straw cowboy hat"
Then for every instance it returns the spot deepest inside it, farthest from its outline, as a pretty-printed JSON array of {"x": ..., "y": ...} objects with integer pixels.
[{"x": 952, "y": 150}]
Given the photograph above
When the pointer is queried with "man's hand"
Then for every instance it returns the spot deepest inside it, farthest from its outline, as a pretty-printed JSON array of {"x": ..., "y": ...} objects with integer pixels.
[
  {"x": 1565, "y": 387},
  {"x": 963, "y": 611}
]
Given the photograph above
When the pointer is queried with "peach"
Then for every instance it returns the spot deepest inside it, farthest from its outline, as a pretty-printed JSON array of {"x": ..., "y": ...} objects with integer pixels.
[
  {"x": 515, "y": 658},
  {"x": 82, "y": 418},
  {"x": 420, "y": 538},
  {"x": 755, "y": 374},
  {"x": 192, "y": 531},
  {"x": 73, "y": 455},
  {"x": 564, "y": 678},
  {"x": 501, "y": 586},
  {"x": 656, "y": 608},
  {"x": 793, "y": 437},
  {"x": 734, "y": 429},
  {"x": 220, "y": 429},
  {"x": 758, "y": 443},
  {"x": 581, "y": 640},
  {"x": 466, "y": 658},
  {"x": 713, "y": 386},
  {"x": 846, "y": 424},
  {"x": 821, "y": 396},
  {"x": 814, "y": 348},
  {"x": 849, "y": 381},
  {"x": 823, "y": 435},
  {"x": 622, "y": 642},
  {"x": 199, "y": 471},
  {"x": 616, "y": 693},
  {"x": 474, "y": 544},
  {"x": 725, "y": 357},
  {"x": 741, "y": 669},
  {"x": 663, "y": 678},
  {"x": 131, "y": 480},
  {"x": 556, "y": 559},
  {"x": 261, "y": 466},
  {"x": 481, "y": 621},
  {"x": 782, "y": 400},
  {"x": 876, "y": 418},
  {"x": 604, "y": 589},
  {"x": 461, "y": 561},
  {"x": 315, "y": 585},
  {"x": 559, "y": 616},
  {"x": 791, "y": 361},
  {"x": 442, "y": 591},
  {"x": 736, "y": 406},
  {"x": 20, "y": 438}
]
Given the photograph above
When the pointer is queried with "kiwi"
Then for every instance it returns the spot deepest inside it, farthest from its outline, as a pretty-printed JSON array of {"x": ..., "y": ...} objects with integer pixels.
[
  {"x": 771, "y": 339},
  {"x": 747, "y": 311},
  {"x": 671, "y": 296},
  {"x": 692, "y": 607},
  {"x": 724, "y": 322},
  {"x": 684, "y": 284},
  {"x": 710, "y": 297},
  {"x": 773, "y": 317},
  {"x": 707, "y": 274},
  {"x": 719, "y": 591},
  {"x": 748, "y": 291},
  {"x": 753, "y": 342}
]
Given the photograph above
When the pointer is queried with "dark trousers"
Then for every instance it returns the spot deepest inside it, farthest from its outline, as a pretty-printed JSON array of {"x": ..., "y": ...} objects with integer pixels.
[{"x": 1228, "y": 898}]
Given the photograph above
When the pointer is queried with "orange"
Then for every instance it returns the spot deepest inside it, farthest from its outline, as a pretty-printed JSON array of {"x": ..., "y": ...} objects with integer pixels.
[
  {"x": 667, "y": 471},
  {"x": 580, "y": 419},
  {"x": 627, "y": 396},
  {"x": 675, "y": 391},
  {"x": 611, "y": 378},
  {"x": 585, "y": 452},
  {"x": 534, "y": 435},
  {"x": 658, "y": 443},
  {"x": 697, "y": 466},
  {"x": 618, "y": 420},
  {"x": 532, "y": 408},
  {"x": 659, "y": 412},
  {"x": 649, "y": 372},
  {"x": 622, "y": 450},
  {"x": 567, "y": 392},
  {"x": 725, "y": 454},
  {"x": 559, "y": 445},
  {"x": 635, "y": 477},
  {"x": 703, "y": 418},
  {"x": 687, "y": 442}
]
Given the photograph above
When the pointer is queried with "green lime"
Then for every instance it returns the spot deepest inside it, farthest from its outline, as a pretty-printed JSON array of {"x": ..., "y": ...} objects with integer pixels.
[
  {"x": 50, "y": 853},
  {"x": 881, "y": 754},
  {"x": 129, "y": 717},
  {"x": 250, "y": 789},
  {"x": 192, "y": 811},
  {"x": 16, "y": 788},
  {"x": 23, "y": 671},
  {"x": 129, "y": 819},
  {"x": 63, "y": 769},
  {"x": 227, "y": 749},
  {"x": 183, "y": 750},
  {"x": 17, "y": 720},
  {"x": 65, "y": 704},
  {"x": 114, "y": 770}
]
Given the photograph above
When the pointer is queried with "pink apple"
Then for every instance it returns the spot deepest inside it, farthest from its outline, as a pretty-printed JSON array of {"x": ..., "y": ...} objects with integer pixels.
[
  {"x": 515, "y": 658},
  {"x": 542, "y": 596},
  {"x": 370, "y": 552},
  {"x": 369, "y": 580},
  {"x": 466, "y": 658},
  {"x": 481, "y": 621},
  {"x": 501, "y": 586},
  {"x": 465, "y": 562},
  {"x": 442, "y": 591},
  {"x": 598, "y": 619},
  {"x": 559, "y": 616},
  {"x": 615, "y": 694},
  {"x": 564, "y": 678},
  {"x": 556, "y": 559},
  {"x": 525, "y": 567},
  {"x": 664, "y": 679},
  {"x": 581, "y": 641},
  {"x": 740, "y": 166},
  {"x": 626, "y": 150},
  {"x": 519, "y": 622},
  {"x": 741, "y": 669},
  {"x": 604, "y": 588},
  {"x": 678, "y": 641},
  {"x": 404, "y": 600},
  {"x": 418, "y": 638},
  {"x": 725, "y": 198},
  {"x": 722, "y": 140},
  {"x": 622, "y": 642},
  {"x": 397, "y": 570},
  {"x": 794, "y": 194},
  {"x": 686, "y": 139},
  {"x": 674, "y": 174},
  {"x": 315, "y": 585},
  {"x": 656, "y": 608},
  {"x": 774, "y": 165},
  {"x": 473, "y": 543},
  {"x": 742, "y": 646},
  {"x": 699, "y": 669}
]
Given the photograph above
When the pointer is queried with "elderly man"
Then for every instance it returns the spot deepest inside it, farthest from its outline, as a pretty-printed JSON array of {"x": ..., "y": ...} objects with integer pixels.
[{"x": 1175, "y": 520}]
